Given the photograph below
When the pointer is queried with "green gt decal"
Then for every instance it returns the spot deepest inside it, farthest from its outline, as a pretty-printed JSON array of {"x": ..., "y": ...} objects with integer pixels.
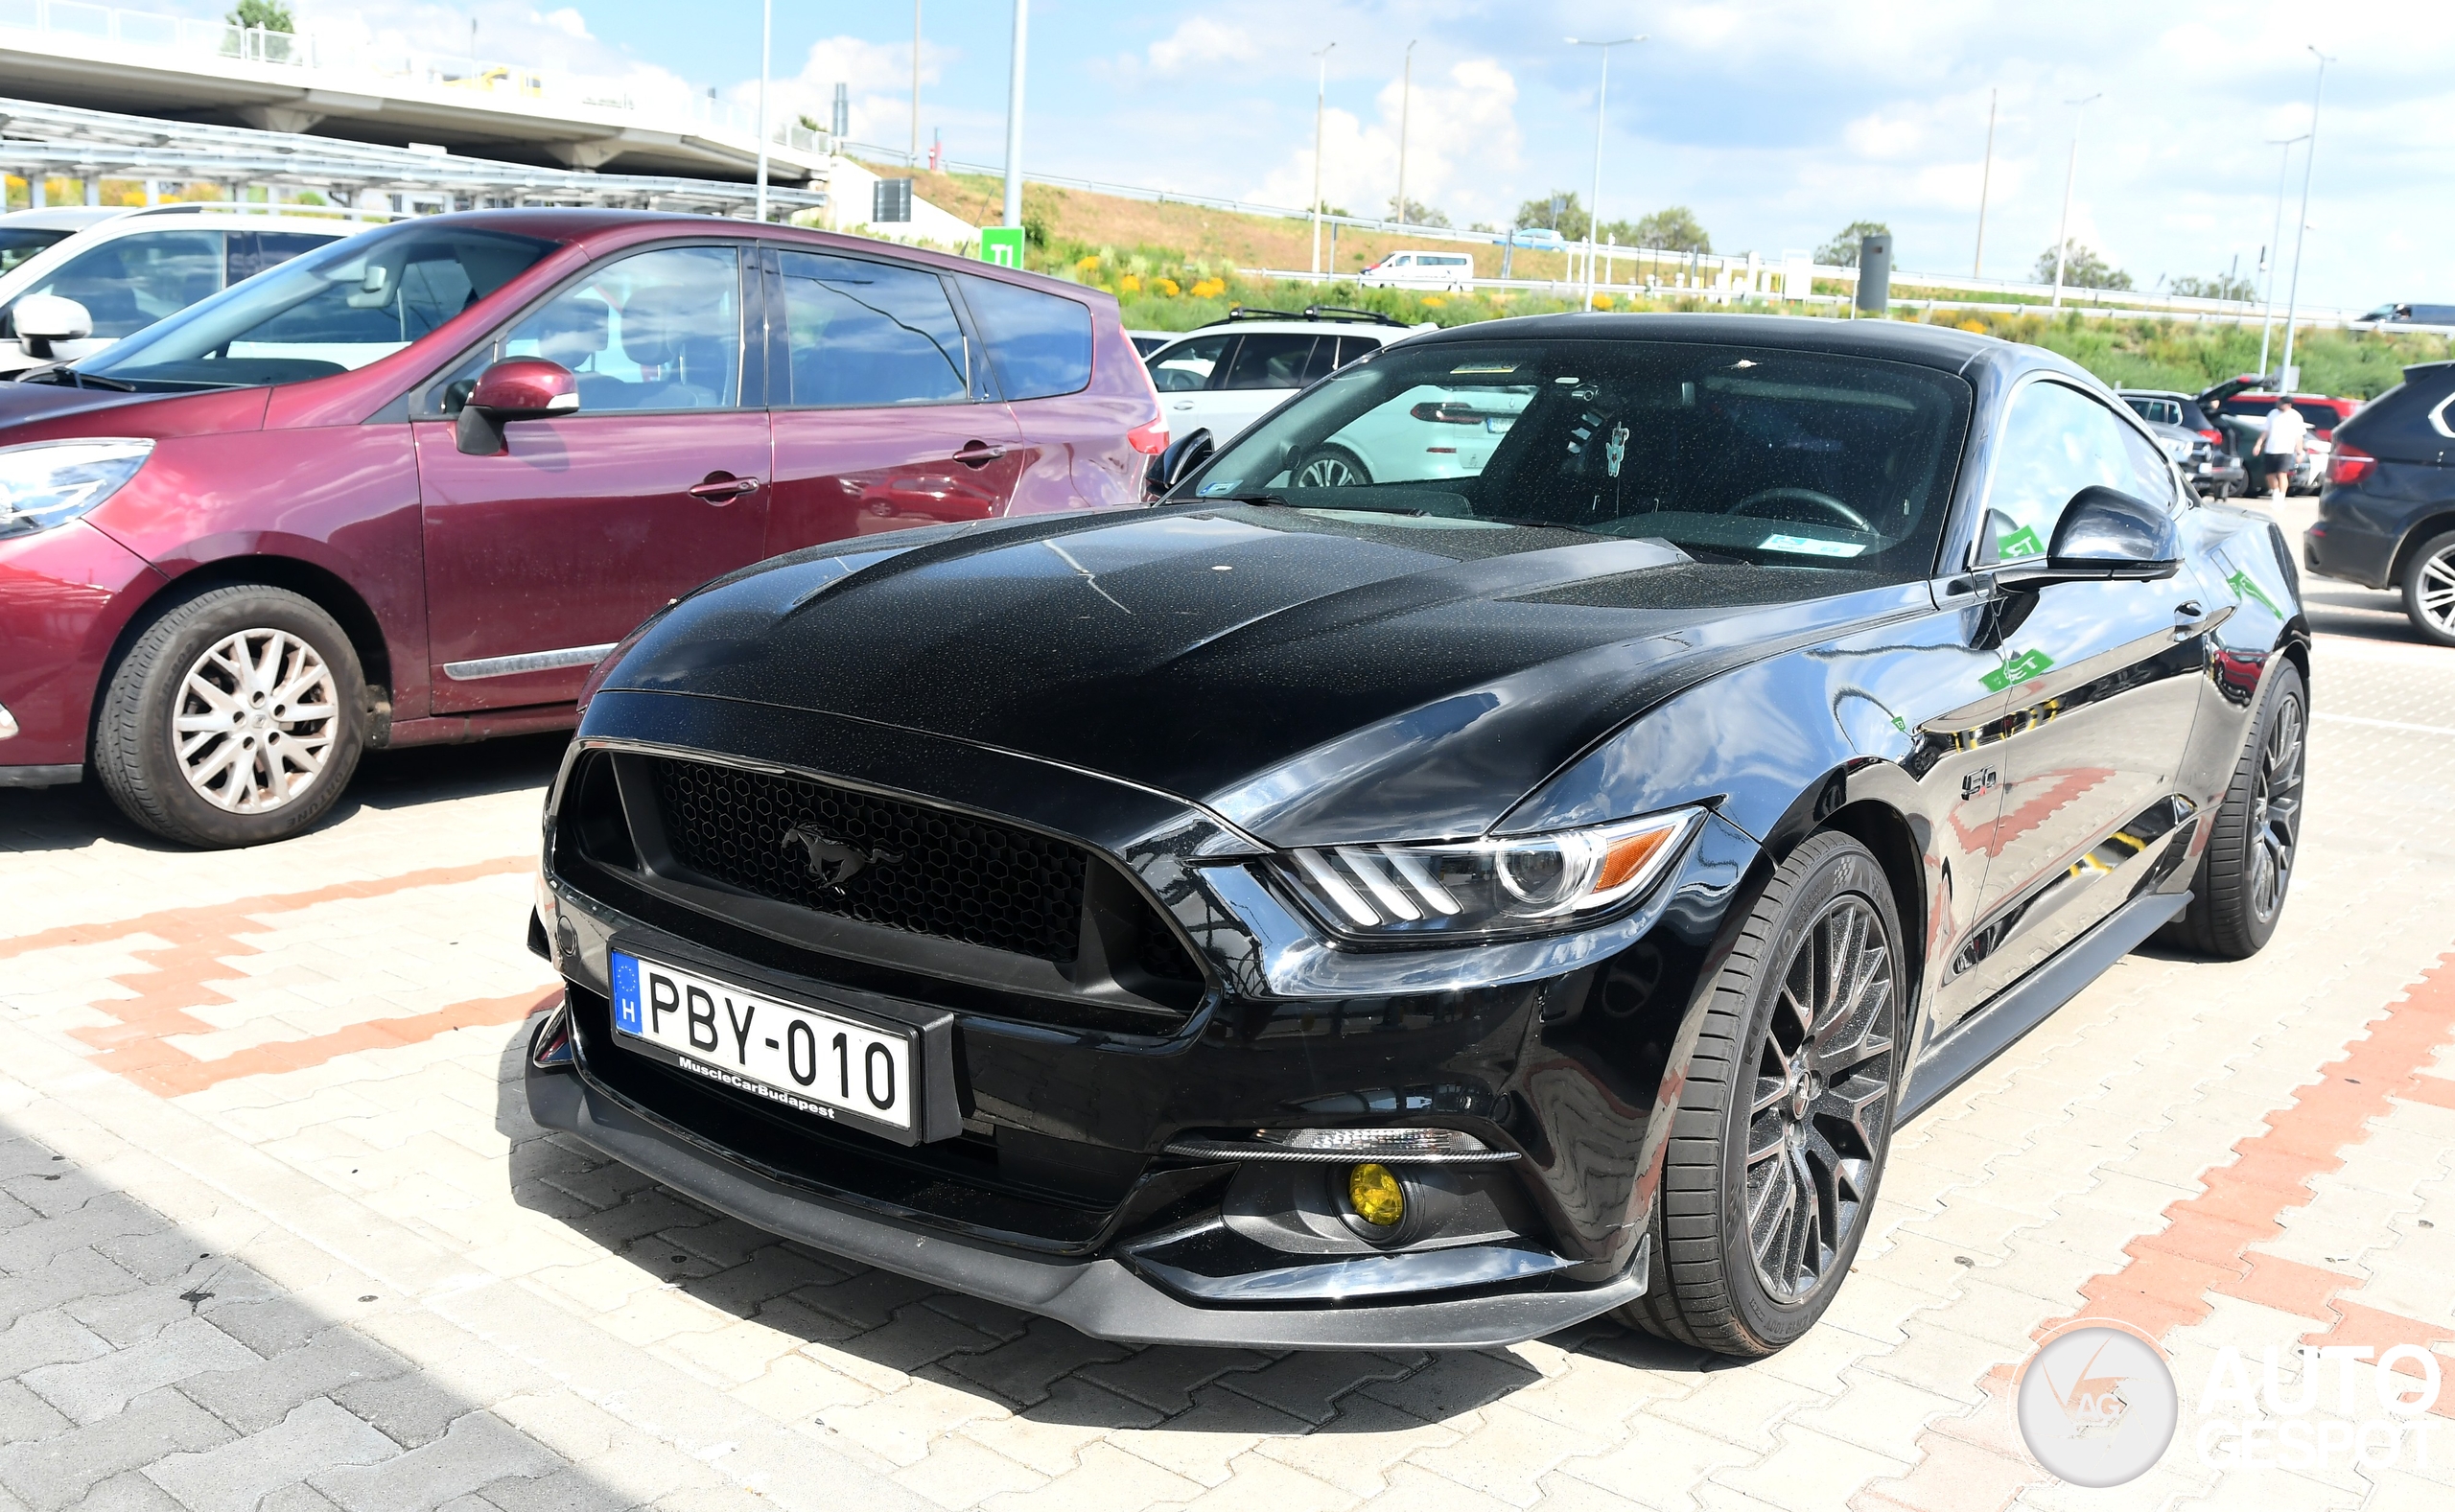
[
  {"x": 2242, "y": 586},
  {"x": 2019, "y": 670},
  {"x": 2021, "y": 542}
]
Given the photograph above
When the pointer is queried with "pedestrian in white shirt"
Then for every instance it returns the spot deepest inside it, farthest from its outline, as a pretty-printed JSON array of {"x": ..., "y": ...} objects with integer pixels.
[{"x": 2280, "y": 445}]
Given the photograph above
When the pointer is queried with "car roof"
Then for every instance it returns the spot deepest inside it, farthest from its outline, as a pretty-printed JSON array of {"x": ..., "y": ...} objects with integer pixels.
[
  {"x": 1895, "y": 340},
  {"x": 1382, "y": 333}
]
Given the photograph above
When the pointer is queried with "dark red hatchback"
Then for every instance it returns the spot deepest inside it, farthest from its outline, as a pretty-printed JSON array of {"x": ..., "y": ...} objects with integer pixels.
[{"x": 410, "y": 488}]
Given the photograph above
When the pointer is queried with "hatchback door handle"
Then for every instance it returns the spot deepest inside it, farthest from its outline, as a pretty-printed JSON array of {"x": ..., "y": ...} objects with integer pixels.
[
  {"x": 722, "y": 489},
  {"x": 979, "y": 454}
]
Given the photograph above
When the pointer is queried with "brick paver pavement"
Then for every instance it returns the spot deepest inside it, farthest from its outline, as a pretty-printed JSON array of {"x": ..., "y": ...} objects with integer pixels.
[{"x": 276, "y": 1232}]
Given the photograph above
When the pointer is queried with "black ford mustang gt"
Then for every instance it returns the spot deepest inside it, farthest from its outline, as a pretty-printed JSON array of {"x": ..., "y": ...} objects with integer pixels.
[{"x": 1507, "y": 838}]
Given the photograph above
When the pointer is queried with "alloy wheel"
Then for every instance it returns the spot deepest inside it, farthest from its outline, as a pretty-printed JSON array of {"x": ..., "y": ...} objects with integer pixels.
[
  {"x": 1329, "y": 469},
  {"x": 2434, "y": 593},
  {"x": 2275, "y": 809},
  {"x": 1823, "y": 1097},
  {"x": 256, "y": 716}
]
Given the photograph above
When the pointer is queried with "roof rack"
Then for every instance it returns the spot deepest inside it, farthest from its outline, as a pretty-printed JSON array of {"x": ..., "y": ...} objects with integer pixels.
[{"x": 1316, "y": 312}]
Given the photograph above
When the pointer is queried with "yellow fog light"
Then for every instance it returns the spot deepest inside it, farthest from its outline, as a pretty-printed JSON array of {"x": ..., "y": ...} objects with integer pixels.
[{"x": 1376, "y": 1196}]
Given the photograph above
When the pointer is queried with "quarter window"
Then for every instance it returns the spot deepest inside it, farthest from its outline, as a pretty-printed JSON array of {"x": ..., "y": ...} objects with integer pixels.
[
  {"x": 2057, "y": 441},
  {"x": 1039, "y": 345},
  {"x": 655, "y": 331},
  {"x": 863, "y": 333}
]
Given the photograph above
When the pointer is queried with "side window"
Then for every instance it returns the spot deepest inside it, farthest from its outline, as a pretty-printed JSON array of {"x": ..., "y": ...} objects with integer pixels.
[
  {"x": 654, "y": 331},
  {"x": 1188, "y": 365},
  {"x": 130, "y": 282},
  {"x": 1271, "y": 362},
  {"x": 1039, "y": 345},
  {"x": 1351, "y": 347},
  {"x": 251, "y": 252},
  {"x": 864, "y": 333},
  {"x": 2056, "y": 442}
]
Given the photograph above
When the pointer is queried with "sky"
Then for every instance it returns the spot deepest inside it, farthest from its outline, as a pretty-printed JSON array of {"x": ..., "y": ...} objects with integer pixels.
[{"x": 1777, "y": 122}]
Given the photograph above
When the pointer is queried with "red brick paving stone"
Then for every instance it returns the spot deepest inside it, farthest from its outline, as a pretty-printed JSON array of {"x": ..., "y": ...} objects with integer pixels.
[{"x": 2289, "y": 1285}]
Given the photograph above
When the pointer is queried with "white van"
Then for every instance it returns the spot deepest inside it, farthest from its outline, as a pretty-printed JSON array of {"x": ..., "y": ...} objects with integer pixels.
[{"x": 1449, "y": 271}]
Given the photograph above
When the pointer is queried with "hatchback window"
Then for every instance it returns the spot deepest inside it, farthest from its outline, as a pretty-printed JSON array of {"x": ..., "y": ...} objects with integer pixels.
[
  {"x": 1188, "y": 365},
  {"x": 18, "y": 244},
  {"x": 358, "y": 300},
  {"x": 1039, "y": 345},
  {"x": 130, "y": 282},
  {"x": 1274, "y": 361},
  {"x": 657, "y": 330},
  {"x": 863, "y": 333}
]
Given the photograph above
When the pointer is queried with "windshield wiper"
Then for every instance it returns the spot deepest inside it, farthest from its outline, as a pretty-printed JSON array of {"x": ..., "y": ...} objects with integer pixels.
[{"x": 63, "y": 373}]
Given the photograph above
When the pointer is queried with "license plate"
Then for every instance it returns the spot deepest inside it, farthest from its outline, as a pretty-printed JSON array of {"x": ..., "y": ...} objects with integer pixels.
[{"x": 750, "y": 1040}]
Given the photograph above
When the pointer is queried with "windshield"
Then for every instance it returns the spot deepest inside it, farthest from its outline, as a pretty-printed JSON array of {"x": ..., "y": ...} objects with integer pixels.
[
  {"x": 19, "y": 243},
  {"x": 362, "y": 298},
  {"x": 1738, "y": 454}
]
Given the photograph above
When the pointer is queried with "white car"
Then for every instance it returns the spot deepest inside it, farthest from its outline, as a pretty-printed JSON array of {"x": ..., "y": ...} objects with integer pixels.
[
  {"x": 1428, "y": 435},
  {"x": 100, "y": 274},
  {"x": 1225, "y": 377},
  {"x": 1416, "y": 268}
]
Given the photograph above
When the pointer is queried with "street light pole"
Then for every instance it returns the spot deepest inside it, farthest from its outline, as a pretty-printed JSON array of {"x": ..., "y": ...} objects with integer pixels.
[
  {"x": 1594, "y": 203},
  {"x": 2274, "y": 249},
  {"x": 766, "y": 37},
  {"x": 1406, "y": 100},
  {"x": 2071, "y": 170},
  {"x": 1015, "y": 119},
  {"x": 915, "y": 152},
  {"x": 2286, "y": 377},
  {"x": 1985, "y": 181},
  {"x": 1320, "y": 93}
]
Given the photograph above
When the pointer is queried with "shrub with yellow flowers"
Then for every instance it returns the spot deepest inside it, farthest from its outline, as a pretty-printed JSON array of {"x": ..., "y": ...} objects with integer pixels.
[
  {"x": 1129, "y": 285},
  {"x": 1210, "y": 288},
  {"x": 1166, "y": 286}
]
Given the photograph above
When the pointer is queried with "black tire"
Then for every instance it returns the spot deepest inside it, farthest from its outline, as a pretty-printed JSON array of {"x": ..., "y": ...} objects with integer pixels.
[
  {"x": 2236, "y": 901},
  {"x": 1750, "y": 1123},
  {"x": 263, "y": 791},
  {"x": 1335, "y": 467},
  {"x": 2429, "y": 589}
]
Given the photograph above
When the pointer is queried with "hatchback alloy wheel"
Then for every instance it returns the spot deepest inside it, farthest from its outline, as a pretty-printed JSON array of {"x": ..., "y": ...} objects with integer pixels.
[
  {"x": 255, "y": 719},
  {"x": 1332, "y": 468}
]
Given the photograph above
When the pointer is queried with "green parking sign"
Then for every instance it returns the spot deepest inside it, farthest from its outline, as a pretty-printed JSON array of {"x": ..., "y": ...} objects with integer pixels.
[{"x": 1002, "y": 244}]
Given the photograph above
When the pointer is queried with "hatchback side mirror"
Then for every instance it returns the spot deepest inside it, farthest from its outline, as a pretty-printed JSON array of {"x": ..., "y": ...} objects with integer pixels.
[
  {"x": 515, "y": 388},
  {"x": 1177, "y": 461},
  {"x": 40, "y": 319},
  {"x": 2104, "y": 536}
]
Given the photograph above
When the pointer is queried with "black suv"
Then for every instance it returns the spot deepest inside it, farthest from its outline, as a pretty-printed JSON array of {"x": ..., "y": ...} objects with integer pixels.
[{"x": 2387, "y": 518}]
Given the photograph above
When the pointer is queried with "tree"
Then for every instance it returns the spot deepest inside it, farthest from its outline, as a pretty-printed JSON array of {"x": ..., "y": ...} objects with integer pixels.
[
  {"x": 1842, "y": 251},
  {"x": 1558, "y": 210},
  {"x": 1671, "y": 231},
  {"x": 2224, "y": 285},
  {"x": 1417, "y": 213},
  {"x": 270, "y": 16},
  {"x": 2083, "y": 267}
]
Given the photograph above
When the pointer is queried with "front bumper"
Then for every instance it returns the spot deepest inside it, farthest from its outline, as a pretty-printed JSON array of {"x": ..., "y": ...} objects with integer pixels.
[
  {"x": 65, "y": 596},
  {"x": 1102, "y": 1297}
]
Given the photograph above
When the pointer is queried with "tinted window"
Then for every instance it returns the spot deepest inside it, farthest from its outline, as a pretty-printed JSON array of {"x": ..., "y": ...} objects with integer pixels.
[
  {"x": 864, "y": 333},
  {"x": 2057, "y": 441},
  {"x": 1807, "y": 463},
  {"x": 1274, "y": 361},
  {"x": 1351, "y": 347},
  {"x": 342, "y": 307},
  {"x": 2323, "y": 418},
  {"x": 654, "y": 331},
  {"x": 22, "y": 243},
  {"x": 1188, "y": 365},
  {"x": 1039, "y": 345},
  {"x": 2155, "y": 411},
  {"x": 130, "y": 283},
  {"x": 251, "y": 252}
]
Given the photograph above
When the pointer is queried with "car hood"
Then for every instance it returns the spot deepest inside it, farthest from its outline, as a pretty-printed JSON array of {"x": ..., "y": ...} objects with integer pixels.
[
  {"x": 1308, "y": 677},
  {"x": 49, "y": 411}
]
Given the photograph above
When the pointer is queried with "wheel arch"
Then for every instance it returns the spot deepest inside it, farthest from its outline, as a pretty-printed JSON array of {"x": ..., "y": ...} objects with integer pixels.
[
  {"x": 1873, "y": 802},
  {"x": 2418, "y": 532}
]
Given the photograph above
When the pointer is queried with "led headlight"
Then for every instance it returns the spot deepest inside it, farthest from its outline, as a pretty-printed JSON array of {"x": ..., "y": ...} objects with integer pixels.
[
  {"x": 51, "y": 482},
  {"x": 1524, "y": 884}
]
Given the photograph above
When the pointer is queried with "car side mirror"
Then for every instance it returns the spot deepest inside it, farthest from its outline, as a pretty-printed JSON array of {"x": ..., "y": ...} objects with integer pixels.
[
  {"x": 515, "y": 388},
  {"x": 2104, "y": 536},
  {"x": 40, "y": 319},
  {"x": 1177, "y": 462}
]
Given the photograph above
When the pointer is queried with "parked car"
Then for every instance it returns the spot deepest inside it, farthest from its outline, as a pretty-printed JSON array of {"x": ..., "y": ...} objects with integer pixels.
[
  {"x": 2251, "y": 408},
  {"x": 410, "y": 487},
  {"x": 2387, "y": 518},
  {"x": 2409, "y": 314},
  {"x": 1421, "y": 268},
  {"x": 1427, "y": 913},
  {"x": 98, "y": 275},
  {"x": 1225, "y": 377},
  {"x": 1541, "y": 237},
  {"x": 1146, "y": 342},
  {"x": 2211, "y": 471}
]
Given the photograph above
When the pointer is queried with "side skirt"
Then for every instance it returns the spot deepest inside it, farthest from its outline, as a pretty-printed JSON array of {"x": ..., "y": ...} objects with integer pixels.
[{"x": 2028, "y": 1002}]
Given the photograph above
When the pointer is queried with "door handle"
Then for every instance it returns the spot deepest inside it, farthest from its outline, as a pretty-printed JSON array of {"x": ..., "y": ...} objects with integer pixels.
[
  {"x": 2190, "y": 619},
  {"x": 1184, "y": 403},
  {"x": 979, "y": 454},
  {"x": 722, "y": 489}
]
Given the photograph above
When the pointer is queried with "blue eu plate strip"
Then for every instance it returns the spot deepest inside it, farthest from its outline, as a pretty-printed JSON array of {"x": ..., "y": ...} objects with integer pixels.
[{"x": 627, "y": 990}]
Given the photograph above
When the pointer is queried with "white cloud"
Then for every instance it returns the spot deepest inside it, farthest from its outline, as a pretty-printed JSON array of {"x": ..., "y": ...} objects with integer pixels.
[
  {"x": 1467, "y": 121},
  {"x": 569, "y": 21},
  {"x": 1202, "y": 42}
]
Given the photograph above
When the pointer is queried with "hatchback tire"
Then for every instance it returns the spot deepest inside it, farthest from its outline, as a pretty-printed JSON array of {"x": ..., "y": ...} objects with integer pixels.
[
  {"x": 235, "y": 719},
  {"x": 2254, "y": 833},
  {"x": 1785, "y": 1112},
  {"x": 1332, "y": 467},
  {"x": 2429, "y": 589}
]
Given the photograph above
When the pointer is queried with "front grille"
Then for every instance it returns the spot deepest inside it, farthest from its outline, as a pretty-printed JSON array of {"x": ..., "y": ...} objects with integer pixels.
[{"x": 926, "y": 870}]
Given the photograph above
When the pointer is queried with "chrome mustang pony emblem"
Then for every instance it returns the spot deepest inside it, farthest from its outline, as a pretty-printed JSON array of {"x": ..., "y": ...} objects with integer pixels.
[{"x": 831, "y": 861}]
